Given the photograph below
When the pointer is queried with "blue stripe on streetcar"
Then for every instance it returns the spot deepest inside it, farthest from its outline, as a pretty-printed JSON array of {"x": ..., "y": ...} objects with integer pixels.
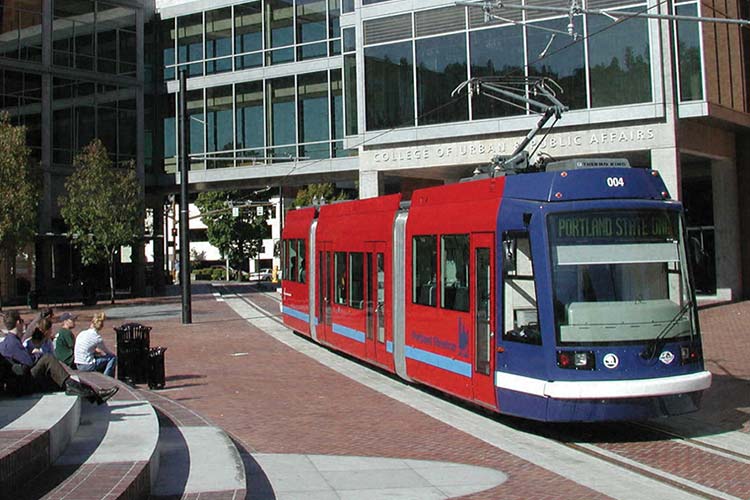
[
  {"x": 349, "y": 332},
  {"x": 295, "y": 313},
  {"x": 439, "y": 361}
]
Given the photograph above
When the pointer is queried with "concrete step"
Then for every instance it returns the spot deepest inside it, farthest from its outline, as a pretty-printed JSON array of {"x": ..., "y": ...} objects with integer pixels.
[
  {"x": 58, "y": 447},
  {"x": 113, "y": 455},
  {"x": 34, "y": 431},
  {"x": 198, "y": 459}
]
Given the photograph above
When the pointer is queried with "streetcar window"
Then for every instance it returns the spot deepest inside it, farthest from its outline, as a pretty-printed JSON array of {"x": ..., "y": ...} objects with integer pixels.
[
  {"x": 301, "y": 260},
  {"x": 340, "y": 271},
  {"x": 520, "y": 312},
  {"x": 291, "y": 271},
  {"x": 284, "y": 253},
  {"x": 454, "y": 265},
  {"x": 356, "y": 288},
  {"x": 622, "y": 271},
  {"x": 424, "y": 269}
]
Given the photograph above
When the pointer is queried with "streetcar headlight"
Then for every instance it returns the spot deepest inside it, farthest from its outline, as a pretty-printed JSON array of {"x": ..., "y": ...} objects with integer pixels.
[{"x": 576, "y": 360}]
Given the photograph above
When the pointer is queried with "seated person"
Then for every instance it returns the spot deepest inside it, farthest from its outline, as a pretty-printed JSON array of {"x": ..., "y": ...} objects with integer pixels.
[
  {"x": 65, "y": 341},
  {"x": 91, "y": 353},
  {"x": 40, "y": 342},
  {"x": 44, "y": 374}
]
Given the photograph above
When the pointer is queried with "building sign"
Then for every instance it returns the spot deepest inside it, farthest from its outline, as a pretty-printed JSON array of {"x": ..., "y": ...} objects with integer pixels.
[{"x": 562, "y": 144}]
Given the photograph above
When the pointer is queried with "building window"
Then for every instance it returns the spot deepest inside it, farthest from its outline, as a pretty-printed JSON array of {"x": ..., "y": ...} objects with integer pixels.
[
  {"x": 248, "y": 35},
  {"x": 169, "y": 123},
  {"x": 441, "y": 66},
  {"x": 350, "y": 94},
  {"x": 280, "y": 121},
  {"x": 389, "y": 86},
  {"x": 620, "y": 61},
  {"x": 560, "y": 60},
  {"x": 689, "y": 54},
  {"x": 249, "y": 111},
  {"x": 496, "y": 52},
  {"x": 169, "y": 39},
  {"x": 424, "y": 269},
  {"x": 219, "y": 126},
  {"x": 219, "y": 40},
  {"x": 312, "y": 91},
  {"x": 196, "y": 119},
  {"x": 19, "y": 18},
  {"x": 279, "y": 15},
  {"x": 334, "y": 26},
  {"x": 190, "y": 43},
  {"x": 311, "y": 29}
]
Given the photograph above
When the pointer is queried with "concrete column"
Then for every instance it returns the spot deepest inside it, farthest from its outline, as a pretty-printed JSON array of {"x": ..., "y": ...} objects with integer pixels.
[
  {"x": 666, "y": 161},
  {"x": 370, "y": 184},
  {"x": 726, "y": 229}
]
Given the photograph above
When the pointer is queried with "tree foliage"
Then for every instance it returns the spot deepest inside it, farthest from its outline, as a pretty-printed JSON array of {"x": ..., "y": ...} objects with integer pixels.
[
  {"x": 323, "y": 192},
  {"x": 238, "y": 237},
  {"x": 103, "y": 207},
  {"x": 19, "y": 189}
]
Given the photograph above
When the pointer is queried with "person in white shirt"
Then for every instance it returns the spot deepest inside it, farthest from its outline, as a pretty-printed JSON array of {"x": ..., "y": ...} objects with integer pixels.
[{"x": 91, "y": 353}]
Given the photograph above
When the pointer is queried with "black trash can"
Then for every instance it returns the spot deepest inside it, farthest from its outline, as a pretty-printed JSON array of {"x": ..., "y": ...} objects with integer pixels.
[
  {"x": 156, "y": 368},
  {"x": 133, "y": 352}
]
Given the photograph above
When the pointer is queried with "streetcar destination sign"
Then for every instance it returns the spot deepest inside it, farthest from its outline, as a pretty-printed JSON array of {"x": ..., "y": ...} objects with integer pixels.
[{"x": 638, "y": 226}]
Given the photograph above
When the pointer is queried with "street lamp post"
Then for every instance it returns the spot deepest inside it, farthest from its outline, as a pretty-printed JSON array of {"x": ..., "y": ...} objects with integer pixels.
[{"x": 187, "y": 316}]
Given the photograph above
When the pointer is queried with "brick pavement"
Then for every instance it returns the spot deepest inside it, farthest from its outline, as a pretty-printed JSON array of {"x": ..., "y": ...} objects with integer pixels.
[{"x": 272, "y": 399}]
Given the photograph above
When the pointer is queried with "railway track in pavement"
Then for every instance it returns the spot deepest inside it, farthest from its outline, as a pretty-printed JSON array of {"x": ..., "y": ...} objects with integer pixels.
[{"x": 684, "y": 457}]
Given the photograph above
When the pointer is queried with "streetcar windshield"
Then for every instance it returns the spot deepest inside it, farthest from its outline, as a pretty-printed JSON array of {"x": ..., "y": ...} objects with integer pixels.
[{"x": 619, "y": 276}]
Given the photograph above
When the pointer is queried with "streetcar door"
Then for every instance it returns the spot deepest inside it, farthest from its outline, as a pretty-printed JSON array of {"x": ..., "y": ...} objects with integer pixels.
[
  {"x": 375, "y": 300},
  {"x": 324, "y": 291},
  {"x": 483, "y": 313},
  {"x": 520, "y": 358}
]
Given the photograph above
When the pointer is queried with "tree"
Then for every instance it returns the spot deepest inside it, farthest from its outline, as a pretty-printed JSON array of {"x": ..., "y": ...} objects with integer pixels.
[
  {"x": 103, "y": 208},
  {"x": 19, "y": 189},
  {"x": 323, "y": 192},
  {"x": 238, "y": 235}
]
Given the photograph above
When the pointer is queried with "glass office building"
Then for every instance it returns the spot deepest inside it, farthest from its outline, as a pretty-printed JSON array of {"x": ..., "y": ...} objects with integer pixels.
[{"x": 71, "y": 71}]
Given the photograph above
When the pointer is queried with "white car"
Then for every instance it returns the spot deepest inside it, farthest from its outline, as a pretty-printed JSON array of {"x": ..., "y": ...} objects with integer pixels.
[{"x": 263, "y": 274}]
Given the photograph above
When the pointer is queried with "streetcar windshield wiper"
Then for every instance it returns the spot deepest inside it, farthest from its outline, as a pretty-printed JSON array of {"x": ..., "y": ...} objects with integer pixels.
[{"x": 654, "y": 344}]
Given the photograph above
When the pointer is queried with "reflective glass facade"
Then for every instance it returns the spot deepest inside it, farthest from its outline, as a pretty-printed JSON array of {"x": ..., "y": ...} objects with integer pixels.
[
  {"x": 20, "y": 33},
  {"x": 72, "y": 71},
  {"x": 275, "y": 119},
  {"x": 413, "y": 62},
  {"x": 689, "y": 54},
  {"x": 250, "y": 35}
]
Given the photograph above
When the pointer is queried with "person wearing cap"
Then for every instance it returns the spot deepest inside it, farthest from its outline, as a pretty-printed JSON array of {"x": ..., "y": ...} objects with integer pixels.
[{"x": 65, "y": 340}]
